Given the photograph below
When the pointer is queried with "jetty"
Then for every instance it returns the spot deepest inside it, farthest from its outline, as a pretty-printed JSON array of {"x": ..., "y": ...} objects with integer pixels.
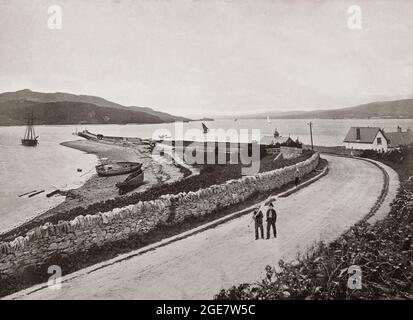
[{"x": 100, "y": 137}]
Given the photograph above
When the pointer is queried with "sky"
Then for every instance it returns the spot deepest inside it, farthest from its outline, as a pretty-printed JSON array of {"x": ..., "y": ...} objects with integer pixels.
[{"x": 211, "y": 58}]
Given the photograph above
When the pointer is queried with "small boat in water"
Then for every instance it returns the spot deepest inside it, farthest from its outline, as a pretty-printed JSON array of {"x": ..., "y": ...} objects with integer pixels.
[
  {"x": 30, "y": 138},
  {"x": 117, "y": 168},
  {"x": 133, "y": 181},
  {"x": 164, "y": 136}
]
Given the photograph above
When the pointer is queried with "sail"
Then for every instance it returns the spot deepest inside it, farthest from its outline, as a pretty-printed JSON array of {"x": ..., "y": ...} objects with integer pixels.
[
  {"x": 268, "y": 119},
  {"x": 205, "y": 128},
  {"x": 30, "y": 134},
  {"x": 30, "y": 138}
]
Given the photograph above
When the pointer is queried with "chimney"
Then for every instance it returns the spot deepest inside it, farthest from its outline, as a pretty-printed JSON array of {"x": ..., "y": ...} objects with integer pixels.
[
  {"x": 399, "y": 129},
  {"x": 358, "y": 134}
]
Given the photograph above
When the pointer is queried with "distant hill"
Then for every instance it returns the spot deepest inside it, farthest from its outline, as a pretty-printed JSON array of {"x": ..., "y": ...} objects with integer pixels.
[
  {"x": 382, "y": 109},
  {"x": 66, "y": 108}
]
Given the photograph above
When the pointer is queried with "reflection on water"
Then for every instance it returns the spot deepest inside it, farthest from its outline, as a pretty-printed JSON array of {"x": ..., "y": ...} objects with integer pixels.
[{"x": 51, "y": 166}]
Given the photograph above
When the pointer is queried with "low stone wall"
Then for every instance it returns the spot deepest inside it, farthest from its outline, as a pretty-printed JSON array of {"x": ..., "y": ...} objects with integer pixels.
[
  {"x": 290, "y": 152},
  {"x": 83, "y": 232}
]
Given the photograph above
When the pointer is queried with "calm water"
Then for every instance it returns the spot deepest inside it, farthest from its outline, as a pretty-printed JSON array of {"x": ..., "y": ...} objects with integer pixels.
[
  {"x": 51, "y": 166},
  {"x": 48, "y": 166}
]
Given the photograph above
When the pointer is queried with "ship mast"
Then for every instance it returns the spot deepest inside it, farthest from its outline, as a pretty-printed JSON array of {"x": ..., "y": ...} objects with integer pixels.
[{"x": 30, "y": 134}]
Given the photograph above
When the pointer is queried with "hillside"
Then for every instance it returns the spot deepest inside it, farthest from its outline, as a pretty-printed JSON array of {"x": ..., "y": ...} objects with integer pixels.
[
  {"x": 66, "y": 108},
  {"x": 381, "y": 109},
  {"x": 58, "y": 113}
]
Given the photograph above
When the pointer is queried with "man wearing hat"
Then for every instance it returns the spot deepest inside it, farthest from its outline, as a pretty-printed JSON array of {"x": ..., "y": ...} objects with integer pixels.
[
  {"x": 258, "y": 218},
  {"x": 297, "y": 177},
  {"x": 271, "y": 216}
]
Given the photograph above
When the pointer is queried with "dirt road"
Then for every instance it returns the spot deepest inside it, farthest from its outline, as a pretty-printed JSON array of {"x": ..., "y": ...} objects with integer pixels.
[{"x": 199, "y": 266}]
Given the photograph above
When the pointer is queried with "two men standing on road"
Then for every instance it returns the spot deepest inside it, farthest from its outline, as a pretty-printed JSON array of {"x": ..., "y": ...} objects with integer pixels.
[{"x": 271, "y": 219}]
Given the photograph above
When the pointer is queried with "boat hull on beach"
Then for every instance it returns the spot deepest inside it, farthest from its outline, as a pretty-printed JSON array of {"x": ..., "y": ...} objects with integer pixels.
[
  {"x": 133, "y": 181},
  {"x": 117, "y": 168}
]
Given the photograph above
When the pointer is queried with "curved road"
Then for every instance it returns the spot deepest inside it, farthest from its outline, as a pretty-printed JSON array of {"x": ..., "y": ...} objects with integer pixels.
[{"x": 197, "y": 267}]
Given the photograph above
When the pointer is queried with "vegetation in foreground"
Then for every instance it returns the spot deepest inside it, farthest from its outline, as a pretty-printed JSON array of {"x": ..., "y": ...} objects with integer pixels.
[{"x": 383, "y": 251}]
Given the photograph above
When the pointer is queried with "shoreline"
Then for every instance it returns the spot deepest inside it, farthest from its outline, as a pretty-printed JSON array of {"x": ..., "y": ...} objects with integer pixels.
[
  {"x": 31, "y": 176},
  {"x": 94, "y": 188},
  {"x": 103, "y": 188}
]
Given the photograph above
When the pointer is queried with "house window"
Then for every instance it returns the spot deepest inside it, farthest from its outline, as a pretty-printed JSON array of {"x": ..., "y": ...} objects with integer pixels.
[{"x": 378, "y": 140}]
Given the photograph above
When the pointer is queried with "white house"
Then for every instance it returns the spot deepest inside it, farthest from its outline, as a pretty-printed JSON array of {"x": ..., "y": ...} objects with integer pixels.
[{"x": 366, "y": 138}]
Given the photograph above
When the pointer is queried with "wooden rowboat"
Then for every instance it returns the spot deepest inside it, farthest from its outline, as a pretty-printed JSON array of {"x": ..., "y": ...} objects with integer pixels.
[
  {"x": 117, "y": 168},
  {"x": 133, "y": 181}
]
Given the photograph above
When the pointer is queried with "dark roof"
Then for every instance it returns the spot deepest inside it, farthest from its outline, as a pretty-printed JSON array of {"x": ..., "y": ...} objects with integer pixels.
[
  {"x": 399, "y": 138},
  {"x": 269, "y": 140},
  {"x": 367, "y": 134}
]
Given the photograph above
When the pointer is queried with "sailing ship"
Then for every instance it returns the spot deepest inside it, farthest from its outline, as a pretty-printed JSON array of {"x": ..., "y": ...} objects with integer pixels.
[
  {"x": 30, "y": 138},
  {"x": 205, "y": 128},
  {"x": 268, "y": 119}
]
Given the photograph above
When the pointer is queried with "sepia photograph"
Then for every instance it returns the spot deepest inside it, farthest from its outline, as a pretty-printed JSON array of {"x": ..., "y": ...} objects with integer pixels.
[{"x": 221, "y": 151}]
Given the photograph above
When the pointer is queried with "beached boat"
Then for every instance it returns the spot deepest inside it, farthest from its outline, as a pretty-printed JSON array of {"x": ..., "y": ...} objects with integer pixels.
[
  {"x": 117, "y": 168},
  {"x": 30, "y": 138},
  {"x": 133, "y": 181}
]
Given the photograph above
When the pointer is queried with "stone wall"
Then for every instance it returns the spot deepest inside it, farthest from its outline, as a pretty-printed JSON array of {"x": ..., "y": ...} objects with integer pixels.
[
  {"x": 83, "y": 232},
  {"x": 290, "y": 152}
]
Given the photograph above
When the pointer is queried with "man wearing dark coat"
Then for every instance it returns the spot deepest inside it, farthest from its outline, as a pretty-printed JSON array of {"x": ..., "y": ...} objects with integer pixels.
[
  {"x": 258, "y": 218},
  {"x": 271, "y": 216}
]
